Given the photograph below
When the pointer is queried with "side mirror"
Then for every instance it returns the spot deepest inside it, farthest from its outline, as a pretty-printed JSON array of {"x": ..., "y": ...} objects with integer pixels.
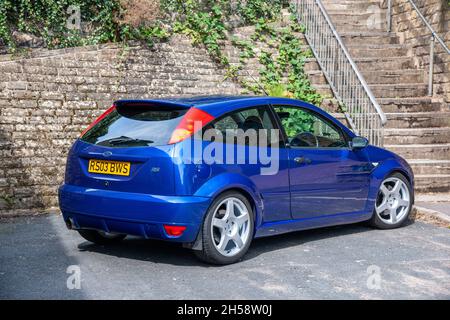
[{"x": 359, "y": 142}]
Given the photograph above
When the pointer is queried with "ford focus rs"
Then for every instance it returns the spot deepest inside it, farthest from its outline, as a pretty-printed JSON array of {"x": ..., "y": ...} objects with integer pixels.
[{"x": 215, "y": 172}]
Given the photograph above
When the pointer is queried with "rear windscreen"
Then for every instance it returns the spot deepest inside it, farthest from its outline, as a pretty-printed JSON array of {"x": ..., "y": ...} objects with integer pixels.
[{"x": 135, "y": 126}]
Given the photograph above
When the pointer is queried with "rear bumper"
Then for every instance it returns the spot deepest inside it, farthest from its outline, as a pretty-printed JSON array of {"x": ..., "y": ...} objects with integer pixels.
[{"x": 132, "y": 213}]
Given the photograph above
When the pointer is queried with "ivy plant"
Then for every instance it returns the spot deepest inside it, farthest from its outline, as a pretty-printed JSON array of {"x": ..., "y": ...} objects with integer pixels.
[{"x": 204, "y": 21}]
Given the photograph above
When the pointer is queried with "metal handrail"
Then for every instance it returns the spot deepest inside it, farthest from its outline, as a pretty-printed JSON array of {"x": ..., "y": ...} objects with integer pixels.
[
  {"x": 434, "y": 37},
  {"x": 433, "y": 32},
  {"x": 361, "y": 109}
]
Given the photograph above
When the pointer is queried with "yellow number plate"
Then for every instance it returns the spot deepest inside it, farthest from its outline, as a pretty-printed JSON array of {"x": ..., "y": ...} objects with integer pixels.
[{"x": 109, "y": 167}]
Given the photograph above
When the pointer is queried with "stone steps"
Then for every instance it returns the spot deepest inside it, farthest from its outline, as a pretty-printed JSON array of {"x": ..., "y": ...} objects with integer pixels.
[
  {"x": 415, "y": 104},
  {"x": 376, "y": 50},
  {"x": 365, "y": 37},
  {"x": 360, "y": 22},
  {"x": 325, "y": 90},
  {"x": 418, "y": 120},
  {"x": 418, "y": 126},
  {"x": 311, "y": 64},
  {"x": 357, "y": 15},
  {"x": 432, "y": 183},
  {"x": 354, "y": 5},
  {"x": 366, "y": 10},
  {"x": 413, "y": 136},
  {"x": 384, "y": 63},
  {"x": 417, "y": 151},
  {"x": 402, "y": 90},
  {"x": 394, "y": 76},
  {"x": 429, "y": 166},
  {"x": 330, "y": 104}
]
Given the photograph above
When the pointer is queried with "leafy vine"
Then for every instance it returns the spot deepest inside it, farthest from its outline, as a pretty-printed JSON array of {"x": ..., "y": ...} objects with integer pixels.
[{"x": 206, "y": 22}]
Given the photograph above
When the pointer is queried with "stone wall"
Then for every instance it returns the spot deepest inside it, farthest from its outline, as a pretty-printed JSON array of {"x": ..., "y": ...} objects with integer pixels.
[
  {"x": 412, "y": 31},
  {"x": 47, "y": 99}
]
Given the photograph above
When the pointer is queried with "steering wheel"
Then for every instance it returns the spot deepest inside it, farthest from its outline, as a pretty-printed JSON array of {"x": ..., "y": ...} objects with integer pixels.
[{"x": 305, "y": 138}]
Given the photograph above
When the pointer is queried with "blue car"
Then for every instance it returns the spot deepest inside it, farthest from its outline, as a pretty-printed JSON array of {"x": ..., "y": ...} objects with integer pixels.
[{"x": 215, "y": 172}]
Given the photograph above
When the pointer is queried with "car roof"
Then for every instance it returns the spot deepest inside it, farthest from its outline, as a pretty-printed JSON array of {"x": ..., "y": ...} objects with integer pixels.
[
  {"x": 217, "y": 105},
  {"x": 189, "y": 101},
  {"x": 213, "y": 101}
]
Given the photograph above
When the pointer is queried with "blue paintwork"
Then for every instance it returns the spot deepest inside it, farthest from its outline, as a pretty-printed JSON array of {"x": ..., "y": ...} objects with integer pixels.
[{"x": 339, "y": 186}]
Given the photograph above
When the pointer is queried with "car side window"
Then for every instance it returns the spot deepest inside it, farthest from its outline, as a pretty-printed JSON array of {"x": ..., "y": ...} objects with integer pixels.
[
  {"x": 305, "y": 128},
  {"x": 254, "y": 119},
  {"x": 227, "y": 123}
]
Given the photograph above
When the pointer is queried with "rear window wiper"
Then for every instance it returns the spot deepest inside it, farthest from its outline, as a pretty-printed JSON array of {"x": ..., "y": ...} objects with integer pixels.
[{"x": 125, "y": 140}]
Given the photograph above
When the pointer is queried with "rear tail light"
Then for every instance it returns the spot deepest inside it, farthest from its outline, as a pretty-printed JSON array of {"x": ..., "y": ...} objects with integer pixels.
[
  {"x": 186, "y": 126},
  {"x": 174, "y": 231},
  {"x": 100, "y": 118}
]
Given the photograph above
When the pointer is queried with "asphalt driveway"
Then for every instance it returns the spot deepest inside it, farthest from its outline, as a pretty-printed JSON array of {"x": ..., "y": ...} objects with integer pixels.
[{"x": 341, "y": 262}]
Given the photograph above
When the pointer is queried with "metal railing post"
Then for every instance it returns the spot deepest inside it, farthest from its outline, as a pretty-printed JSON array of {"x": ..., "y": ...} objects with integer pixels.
[
  {"x": 434, "y": 37},
  {"x": 431, "y": 72},
  {"x": 389, "y": 16},
  {"x": 428, "y": 25}
]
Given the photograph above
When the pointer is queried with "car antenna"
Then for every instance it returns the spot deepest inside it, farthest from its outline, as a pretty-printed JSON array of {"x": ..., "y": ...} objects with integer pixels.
[{"x": 257, "y": 82}]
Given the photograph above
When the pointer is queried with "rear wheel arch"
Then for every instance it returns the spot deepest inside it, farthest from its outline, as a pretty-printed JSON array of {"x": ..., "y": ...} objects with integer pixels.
[
  {"x": 246, "y": 194},
  {"x": 219, "y": 184},
  {"x": 206, "y": 246},
  {"x": 257, "y": 215}
]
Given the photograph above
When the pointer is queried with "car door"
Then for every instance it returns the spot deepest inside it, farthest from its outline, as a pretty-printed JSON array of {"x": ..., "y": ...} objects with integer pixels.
[
  {"x": 326, "y": 176},
  {"x": 249, "y": 157}
]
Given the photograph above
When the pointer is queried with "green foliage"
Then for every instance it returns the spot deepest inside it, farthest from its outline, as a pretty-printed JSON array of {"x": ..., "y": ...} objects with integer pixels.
[
  {"x": 9, "y": 200},
  {"x": 263, "y": 31},
  {"x": 47, "y": 19},
  {"x": 204, "y": 22},
  {"x": 270, "y": 73},
  {"x": 298, "y": 121},
  {"x": 246, "y": 47},
  {"x": 291, "y": 61},
  {"x": 252, "y": 11},
  {"x": 276, "y": 90},
  {"x": 5, "y": 33},
  {"x": 149, "y": 34}
]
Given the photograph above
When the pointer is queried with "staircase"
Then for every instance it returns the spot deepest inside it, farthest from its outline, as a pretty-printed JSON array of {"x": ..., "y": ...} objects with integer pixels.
[
  {"x": 250, "y": 69},
  {"x": 418, "y": 126}
]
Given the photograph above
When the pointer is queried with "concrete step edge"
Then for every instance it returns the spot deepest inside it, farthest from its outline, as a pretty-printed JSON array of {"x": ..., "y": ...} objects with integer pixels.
[
  {"x": 439, "y": 114},
  {"x": 408, "y": 130},
  {"x": 428, "y": 162},
  {"x": 431, "y": 145},
  {"x": 425, "y": 214}
]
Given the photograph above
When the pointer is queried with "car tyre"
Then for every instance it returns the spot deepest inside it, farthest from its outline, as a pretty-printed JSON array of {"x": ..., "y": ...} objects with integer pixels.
[
  {"x": 99, "y": 237},
  {"x": 393, "y": 204},
  {"x": 227, "y": 230}
]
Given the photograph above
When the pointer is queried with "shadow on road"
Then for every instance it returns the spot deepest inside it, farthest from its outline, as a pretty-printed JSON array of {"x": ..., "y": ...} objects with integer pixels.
[
  {"x": 175, "y": 254},
  {"x": 34, "y": 260}
]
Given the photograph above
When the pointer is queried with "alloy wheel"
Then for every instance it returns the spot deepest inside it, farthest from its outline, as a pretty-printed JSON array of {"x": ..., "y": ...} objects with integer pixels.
[
  {"x": 230, "y": 227},
  {"x": 393, "y": 200}
]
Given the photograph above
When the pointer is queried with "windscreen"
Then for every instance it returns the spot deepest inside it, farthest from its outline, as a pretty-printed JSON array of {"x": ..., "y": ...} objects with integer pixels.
[{"x": 135, "y": 126}]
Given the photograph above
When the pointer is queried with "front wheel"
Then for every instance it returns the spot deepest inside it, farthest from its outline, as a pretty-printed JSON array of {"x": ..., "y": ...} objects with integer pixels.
[
  {"x": 394, "y": 202},
  {"x": 227, "y": 230}
]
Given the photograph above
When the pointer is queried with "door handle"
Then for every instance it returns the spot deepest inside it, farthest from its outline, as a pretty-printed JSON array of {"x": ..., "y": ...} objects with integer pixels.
[{"x": 301, "y": 160}]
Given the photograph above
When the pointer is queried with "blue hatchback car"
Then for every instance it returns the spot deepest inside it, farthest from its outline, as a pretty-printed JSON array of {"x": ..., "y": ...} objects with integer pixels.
[{"x": 215, "y": 172}]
